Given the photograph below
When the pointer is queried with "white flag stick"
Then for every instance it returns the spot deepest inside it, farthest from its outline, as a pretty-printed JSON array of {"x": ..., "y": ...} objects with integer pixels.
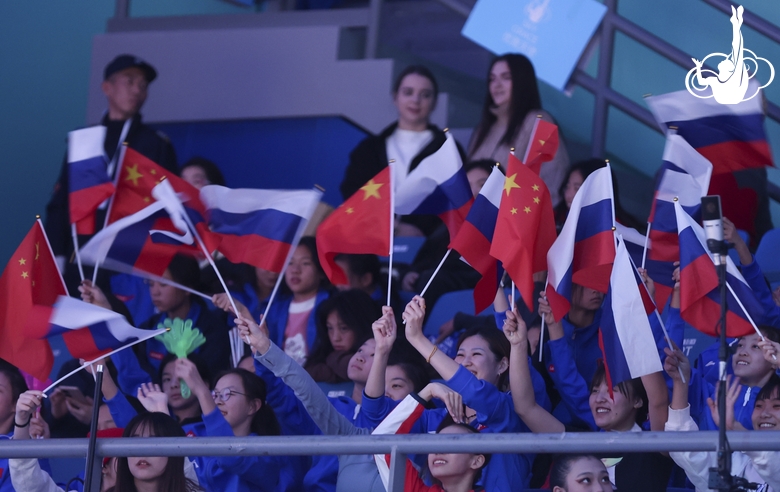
[
  {"x": 422, "y": 294},
  {"x": 76, "y": 250},
  {"x": 541, "y": 329},
  {"x": 753, "y": 323},
  {"x": 86, "y": 364},
  {"x": 531, "y": 139},
  {"x": 644, "y": 251},
  {"x": 392, "y": 234}
]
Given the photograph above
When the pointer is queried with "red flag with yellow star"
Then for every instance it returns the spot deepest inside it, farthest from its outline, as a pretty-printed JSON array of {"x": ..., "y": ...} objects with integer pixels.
[
  {"x": 361, "y": 225},
  {"x": 138, "y": 175},
  {"x": 31, "y": 277},
  {"x": 525, "y": 228},
  {"x": 542, "y": 146}
]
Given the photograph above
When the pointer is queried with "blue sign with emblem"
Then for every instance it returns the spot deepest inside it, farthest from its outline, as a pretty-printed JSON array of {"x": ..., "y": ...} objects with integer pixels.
[{"x": 551, "y": 33}]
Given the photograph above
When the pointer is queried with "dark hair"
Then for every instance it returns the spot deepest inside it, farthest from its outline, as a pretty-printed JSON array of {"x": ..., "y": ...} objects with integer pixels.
[
  {"x": 771, "y": 390},
  {"x": 561, "y": 466},
  {"x": 310, "y": 243},
  {"x": 770, "y": 332},
  {"x": 362, "y": 264},
  {"x": 15, "y": 378},
  {"x": 497, "y": 343},
  {"x": 197, "y": 359},
  {"x": 525, "y": 98},
  {"x": 485, "y": 164},
  {"x": 213, "y": 174},
  {"x": 413, "y": 371},
  {"x": 448, "y": 422},
  {"x": 264, "y": 422},
  {"x": 357, "y": 311},
  {"x": 420, "y": 70},
  {"x": 172, "y": 479},
  {"x": 184, "y": 270},
  {"x": 632, "y": 388}
]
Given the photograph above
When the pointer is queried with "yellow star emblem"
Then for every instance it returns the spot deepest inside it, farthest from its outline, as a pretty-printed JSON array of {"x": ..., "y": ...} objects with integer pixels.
[
  {"x": 37, "y": 250},
  {"x": 527, "y": 210},
  {"x": 541, "y": 142},
  {"x": 152, "y": 172},
  {"x": 147, "y": 199},
  {"x": 22, "y": 261},
  {"x": 133, "y": 174},
  {"x": 509, "y": 183},
  {"x": 535, "y": 187},
  {"x": 371, "y": 189},
  {"x": 350, "y": 210},
  {"x": 514, "y": 211},
  {"x": 25, "y": 274},
  {"x": 536, "y": 199}
]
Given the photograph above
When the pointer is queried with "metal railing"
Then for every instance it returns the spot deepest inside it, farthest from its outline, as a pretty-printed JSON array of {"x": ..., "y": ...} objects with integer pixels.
[{"x": 398, "y": 446}]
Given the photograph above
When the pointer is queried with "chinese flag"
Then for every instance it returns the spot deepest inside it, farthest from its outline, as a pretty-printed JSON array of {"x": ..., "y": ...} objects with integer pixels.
[
  {"x": 543, "y": 145},
  {"x": 31, "y": 277},
  {"x": 361, "y": 225},
  {"x": 138, "y": 176},
  {"x": 525, "y": 228}
]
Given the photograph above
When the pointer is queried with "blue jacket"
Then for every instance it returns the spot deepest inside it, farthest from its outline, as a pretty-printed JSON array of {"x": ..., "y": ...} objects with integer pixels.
[
  {"x": 755, "y": 279},
  {"x": 241, "y": 473},
  {"x": 495, "y": 414},
  {"x": 279, "y": 313},
  {"x": 294, "y": 420},
  {"x": 248, "y": 297}
]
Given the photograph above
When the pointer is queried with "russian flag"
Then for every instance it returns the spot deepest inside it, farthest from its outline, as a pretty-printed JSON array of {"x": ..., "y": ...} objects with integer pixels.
[
  {"x": 730, "y": 136},
  {"x": 141, "y": 244},
  {"x": 585, "y": 249},
  {"x": 89, "y": 331},
  {"x": 258, "y": 227},
  {"x": 699, "y": 293},
  {"x": 476, "y": 235},
  {"x": 437, "y": 186},
  {"x": 625, "y": 332},
  {"x": 635, "y": 242},
  {"x": 685, "y": 178},
  {"x": 88, "y": 182}
]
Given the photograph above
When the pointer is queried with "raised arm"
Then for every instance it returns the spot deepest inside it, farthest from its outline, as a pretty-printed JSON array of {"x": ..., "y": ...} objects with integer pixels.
[
  {"x": 413, "y": 316},
  {"x": 385, "y": 331},
  {"x": 535, "y": 417}
]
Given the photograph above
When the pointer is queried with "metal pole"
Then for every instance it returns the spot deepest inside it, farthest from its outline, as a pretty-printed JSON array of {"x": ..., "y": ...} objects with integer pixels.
[
  {"x": 601, "y": 109},
  {"x": 397, "y": 471},
  {"x": 94, "y": 468},
  {"x": 372, "y": 31}
]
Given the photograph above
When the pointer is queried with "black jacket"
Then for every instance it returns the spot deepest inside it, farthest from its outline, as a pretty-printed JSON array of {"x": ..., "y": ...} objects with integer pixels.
[
  {"x": 141, "y": 138},
  {"x": 370, "y": 157}
]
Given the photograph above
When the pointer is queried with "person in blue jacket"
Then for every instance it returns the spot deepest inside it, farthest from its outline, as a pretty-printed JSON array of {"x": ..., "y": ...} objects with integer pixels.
[
  {"x": 479, "y": 374},
  {"x": 291, "y": 320},
  {"x": 623, "y": 409},
  {"x": 237, "y": 407}
]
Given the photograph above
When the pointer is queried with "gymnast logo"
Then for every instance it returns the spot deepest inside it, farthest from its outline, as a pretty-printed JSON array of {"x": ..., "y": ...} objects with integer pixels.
[{"x": 730, "y": 84}]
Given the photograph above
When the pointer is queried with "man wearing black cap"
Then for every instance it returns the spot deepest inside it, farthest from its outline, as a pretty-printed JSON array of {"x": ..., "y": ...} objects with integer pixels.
[{"x": 125, "y": 83}]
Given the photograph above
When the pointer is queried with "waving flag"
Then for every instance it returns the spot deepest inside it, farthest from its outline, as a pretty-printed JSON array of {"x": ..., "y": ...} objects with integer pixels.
[
  {"x": 361, "y": 225},
  {"x": 635, "y": 242},
  {"x": 88, "y": 181},
  {"x": 476, "y": 235},
  {"x": 258, "y": 227},
  {"x": 525, "y": 228},
  {"x": 543, "y": 145},
  {"x": 143, "y": 243},
  {"x": 89, "y": 331},
  {"x": 625, "y": 332},
  {"x": 699, "y": 293},
  {"x": 684, "y": 177},
  {"x": 31, "y": 277},
  {"x": 437, "y": 186},
  {"x": 585, "y": 249},
  {"x": 730, "y": 136}
]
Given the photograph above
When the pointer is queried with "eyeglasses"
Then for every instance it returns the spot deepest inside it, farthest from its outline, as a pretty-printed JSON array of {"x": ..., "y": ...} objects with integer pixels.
[{"x": 224, "y": 395}]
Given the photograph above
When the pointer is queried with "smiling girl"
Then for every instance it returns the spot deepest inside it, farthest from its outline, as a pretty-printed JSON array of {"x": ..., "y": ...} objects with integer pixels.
[{"x": 579, "y": 473}]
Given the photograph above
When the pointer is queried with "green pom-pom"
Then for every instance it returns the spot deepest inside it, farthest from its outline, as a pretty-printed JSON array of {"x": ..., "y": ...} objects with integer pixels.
[{"x": 180, "y": 339}]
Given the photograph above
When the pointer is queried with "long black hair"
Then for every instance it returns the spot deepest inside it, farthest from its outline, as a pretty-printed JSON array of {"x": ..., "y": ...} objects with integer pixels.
[
  {"x": 632, "y": 388},
  {"x": 525, "y": 98},
  {"x": 498, "y": 344},
  {"x": 422, "y": 71},
  {"x": 310, "y": 243},
  {"x": 264, "y": 422},
  {"x": 357, "y": 311},
  {"x": 172, "y": 479},
  {"x": 561, "y": 466}
]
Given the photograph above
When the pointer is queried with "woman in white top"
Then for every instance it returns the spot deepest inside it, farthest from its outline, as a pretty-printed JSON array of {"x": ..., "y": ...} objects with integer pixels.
[{"x": 511, "y": 108}]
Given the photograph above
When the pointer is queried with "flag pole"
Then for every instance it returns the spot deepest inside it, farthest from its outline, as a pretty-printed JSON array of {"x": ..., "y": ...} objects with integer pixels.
[
  {"x": 647, "y": 237},
  {"x": 392, "y": 232},
  {"x": 422, "y": 294},
  {"x": 531, "y": 138},
  {"x": 753, "y": 323},
  {"x": 93, "y": 470},
  {"x": 119, "y": 167},
  {"x": 87, "y": 364},
  {"x": 76, "y": 249},
  {"x": 541, "y": 329},
  {"x": 51, "y": 252}
]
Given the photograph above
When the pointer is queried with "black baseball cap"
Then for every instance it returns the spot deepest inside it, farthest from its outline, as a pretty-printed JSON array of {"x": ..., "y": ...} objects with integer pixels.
[{"x": 122, "y": 62}]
